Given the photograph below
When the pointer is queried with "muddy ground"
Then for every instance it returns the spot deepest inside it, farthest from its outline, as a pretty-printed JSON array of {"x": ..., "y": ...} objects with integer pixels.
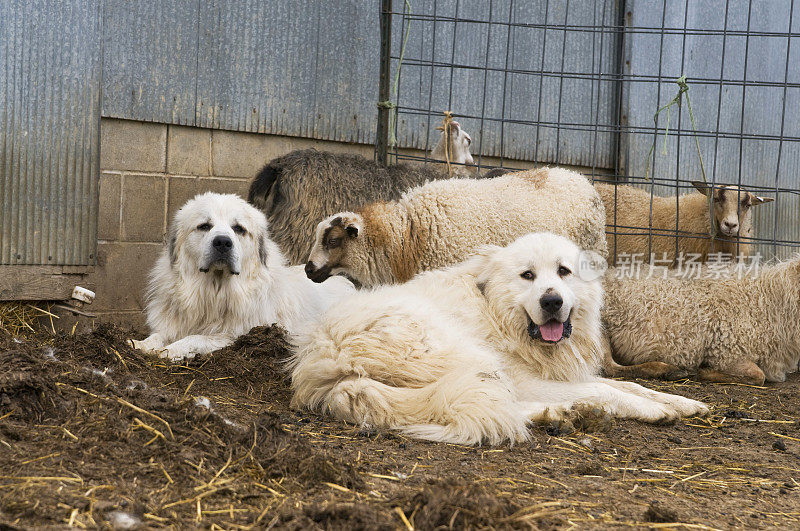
[{"x": 95, "y": 434}]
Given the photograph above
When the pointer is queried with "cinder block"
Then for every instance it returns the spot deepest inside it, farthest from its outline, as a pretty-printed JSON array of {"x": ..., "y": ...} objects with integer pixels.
[
  {"x": 240, "y": 155},
  {"x": 120, "y": 277},
  {"x": 181, "y": 189},
  {"x": 143, "y": 208},
  {"x": 239, "y": 187},
  {"x": 134, "y": 146},
  {"x": 108, "y": 215},
  {"x": 188, "y": 150}
]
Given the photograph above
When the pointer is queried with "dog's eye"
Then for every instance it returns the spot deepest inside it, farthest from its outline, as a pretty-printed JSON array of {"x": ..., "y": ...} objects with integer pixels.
[
  {"x": 238, "y": 229},
  {"x": 563, "y": 271},
  {"x": 528, "y": 275},
  {"x": 205, "y": 227}
]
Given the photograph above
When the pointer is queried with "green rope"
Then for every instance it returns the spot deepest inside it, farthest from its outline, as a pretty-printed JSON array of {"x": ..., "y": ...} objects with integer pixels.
[
  {"x": 388, "y": 103},
  {"x": 683, "y": 89}
]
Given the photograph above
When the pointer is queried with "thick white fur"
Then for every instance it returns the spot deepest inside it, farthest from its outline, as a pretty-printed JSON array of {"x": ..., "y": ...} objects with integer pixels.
[
  {"x": 193, "y": 312},
  {"x": 447, "y": 356}
]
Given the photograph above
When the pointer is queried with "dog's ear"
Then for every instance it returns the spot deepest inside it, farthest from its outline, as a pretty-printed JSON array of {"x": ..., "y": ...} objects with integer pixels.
[
  {"x": 172, "y": 242},
  {"x": 478, "y": 264},
  {"x": 262, "y": 248}
]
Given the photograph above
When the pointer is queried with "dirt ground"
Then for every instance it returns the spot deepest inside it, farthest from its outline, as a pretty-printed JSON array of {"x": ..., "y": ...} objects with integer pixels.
[{"x": 95, "y": 434}]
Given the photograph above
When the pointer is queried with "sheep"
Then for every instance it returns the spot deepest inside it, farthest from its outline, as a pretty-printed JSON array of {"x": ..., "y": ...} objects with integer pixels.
[
  {"x": 728, "y": 324},
  {"x": 442, "y": 222},
  {"x": 300, "y": 188},
  {"x": 628, "y": 218}
]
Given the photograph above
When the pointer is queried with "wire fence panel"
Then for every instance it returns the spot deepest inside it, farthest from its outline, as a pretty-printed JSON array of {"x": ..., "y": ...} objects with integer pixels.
[
  {"x": 579, "y": 83},
  {"x": 741, "y": 62},
  {"x": 50, "y": 66},
  {"x": 535, "y": 78}
]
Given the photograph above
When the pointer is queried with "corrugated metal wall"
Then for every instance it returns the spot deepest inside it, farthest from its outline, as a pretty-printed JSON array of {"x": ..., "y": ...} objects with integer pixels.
[
  {"x": 50, "y": 67},
  {"x": 291, "y": 67},
  {"x": 748, "y": 134},
  {"x": 523, "y": 91}
]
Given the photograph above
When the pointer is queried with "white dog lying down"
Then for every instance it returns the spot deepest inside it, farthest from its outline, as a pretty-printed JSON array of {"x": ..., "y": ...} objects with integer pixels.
[
  {"x": 220, "y": 275},
  {"x": 472, "y": 353}
]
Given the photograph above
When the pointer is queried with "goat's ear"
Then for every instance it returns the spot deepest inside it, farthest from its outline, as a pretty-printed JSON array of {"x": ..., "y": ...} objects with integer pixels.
[
  {"x": 758, "y": 200},
  {"x": 702, "y": 187},
  {"x": 454, "y": 128}
]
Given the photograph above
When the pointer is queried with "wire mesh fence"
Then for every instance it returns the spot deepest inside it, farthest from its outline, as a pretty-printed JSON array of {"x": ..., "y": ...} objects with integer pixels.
[{"x": 589, "y": 85}]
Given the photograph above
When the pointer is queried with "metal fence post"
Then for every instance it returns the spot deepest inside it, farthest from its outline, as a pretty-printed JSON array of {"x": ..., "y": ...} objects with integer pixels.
[{"x": 382, "y": 137}]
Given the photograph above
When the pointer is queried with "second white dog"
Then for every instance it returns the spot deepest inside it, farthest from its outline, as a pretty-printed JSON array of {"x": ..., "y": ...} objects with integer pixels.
[
  {"x": 472, "y": 353},
  {"x": 220, "y": 275}
]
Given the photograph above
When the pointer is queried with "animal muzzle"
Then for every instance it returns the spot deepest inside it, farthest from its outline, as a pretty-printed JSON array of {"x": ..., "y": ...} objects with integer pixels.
[
  {"x": 552, "y": 331},
  {"x": 221, "y": 256},
  {"x": 316, "y": 274}
]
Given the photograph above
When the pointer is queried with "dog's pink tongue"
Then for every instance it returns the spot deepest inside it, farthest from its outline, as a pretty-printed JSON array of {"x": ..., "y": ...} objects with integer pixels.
[{"x": 552, "y": 330}]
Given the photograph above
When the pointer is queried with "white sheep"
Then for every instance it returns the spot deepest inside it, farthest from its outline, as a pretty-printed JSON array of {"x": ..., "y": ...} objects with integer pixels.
[
  {"x": 300, "y": 188},
  {"x": 724, "y": 324},
  {"x": 443, "y": 222},
  {"x": 628, "y": 217}
]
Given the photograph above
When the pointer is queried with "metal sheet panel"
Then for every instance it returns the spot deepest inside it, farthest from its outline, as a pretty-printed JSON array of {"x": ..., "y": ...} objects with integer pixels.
[
  {"x": 300, "y": 68},
  {"x": 535, "y": 84},
  {"x": 746, "y": 103},
  {"x": 150, "y": 60},
  {"x": 50, "y": 67}
]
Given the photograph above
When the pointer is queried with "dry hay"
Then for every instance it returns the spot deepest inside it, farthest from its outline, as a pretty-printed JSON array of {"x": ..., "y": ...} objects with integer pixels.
[{"x": 94, "y": 434}]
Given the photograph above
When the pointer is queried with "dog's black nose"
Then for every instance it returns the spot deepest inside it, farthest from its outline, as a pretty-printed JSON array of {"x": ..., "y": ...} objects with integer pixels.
[
  {"x": 222, "y": 244},
  {"x": 310, "y": 268},
  {"x": 551, "y": 302}
]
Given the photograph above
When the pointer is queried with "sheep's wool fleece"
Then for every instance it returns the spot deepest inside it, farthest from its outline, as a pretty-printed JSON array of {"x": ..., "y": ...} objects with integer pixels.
[
  {"x": 707, "y": 321},
  {"x": 443, "y": 222}
]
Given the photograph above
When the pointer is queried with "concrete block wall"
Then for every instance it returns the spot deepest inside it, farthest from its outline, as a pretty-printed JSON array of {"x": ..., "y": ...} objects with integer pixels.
[{"x": 148, "y": 171}]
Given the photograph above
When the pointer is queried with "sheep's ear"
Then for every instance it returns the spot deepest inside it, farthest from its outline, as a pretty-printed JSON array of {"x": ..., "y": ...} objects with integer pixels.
[
  {"x": 702, "y": 187},
  {"x": 454, "y": 128},
  {"x": 758, "y": 200},
  {"x": 352, "y": 225}
]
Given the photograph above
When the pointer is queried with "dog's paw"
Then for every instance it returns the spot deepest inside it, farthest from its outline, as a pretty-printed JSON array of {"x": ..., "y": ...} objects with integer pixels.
[
  {"x": 686, "y": 407},
  {"x": 174, "y": 354}
]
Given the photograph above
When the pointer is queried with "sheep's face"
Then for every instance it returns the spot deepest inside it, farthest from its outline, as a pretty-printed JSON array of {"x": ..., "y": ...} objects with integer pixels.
[
  {"x": 732, "y": 209},
  {"x": 334, "y": 237},
  {"x": 537, "y": 288}
]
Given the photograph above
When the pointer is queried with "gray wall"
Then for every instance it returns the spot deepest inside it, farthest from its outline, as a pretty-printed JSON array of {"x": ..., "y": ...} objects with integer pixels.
[
  {"x": 300, "y": 68},
  {"x": 49, "y": 131}
]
